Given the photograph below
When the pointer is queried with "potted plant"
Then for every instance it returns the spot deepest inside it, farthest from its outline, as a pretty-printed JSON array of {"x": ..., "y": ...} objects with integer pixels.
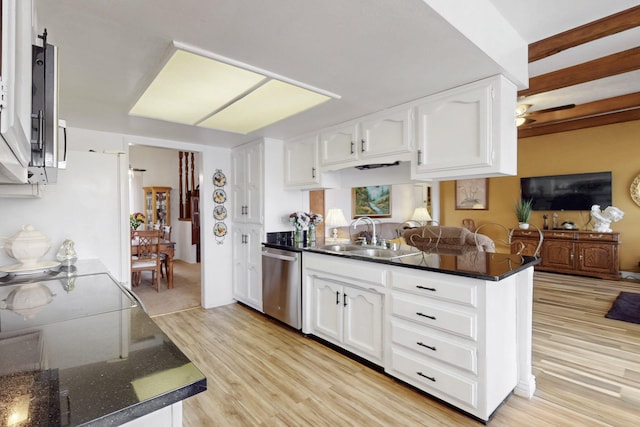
[{"x": 523, "y": 210}]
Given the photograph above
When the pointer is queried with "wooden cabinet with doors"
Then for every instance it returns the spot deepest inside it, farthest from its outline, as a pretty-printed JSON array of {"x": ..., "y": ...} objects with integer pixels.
[
  {"x": 583, "y": 253},
  {"x": 157, "y": 205}
]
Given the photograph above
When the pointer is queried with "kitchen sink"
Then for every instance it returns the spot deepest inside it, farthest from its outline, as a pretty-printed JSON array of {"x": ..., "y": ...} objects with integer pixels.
[
  {"x": 383, "y": 253},
  {"x": 371, "y": 252},
  {"x": 340, "y": 248}
]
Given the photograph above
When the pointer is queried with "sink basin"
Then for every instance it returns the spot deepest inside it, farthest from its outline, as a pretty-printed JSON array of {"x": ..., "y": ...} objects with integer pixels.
[
  {"x": 340, "y": 248},
  {"x": 382, "y": 253}
]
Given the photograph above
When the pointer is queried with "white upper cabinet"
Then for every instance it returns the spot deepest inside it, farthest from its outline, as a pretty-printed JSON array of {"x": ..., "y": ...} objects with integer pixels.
[
  {"x": 15, "y": 103},
  {"x": 387, "y": 134},
  {"x": 467, "y": 131},
  {"x": 340, "y": 144},
  {"x": 384, "y": 135},
  {"x": 301, "y": 163},
  {"x": 247, "y": 165}
]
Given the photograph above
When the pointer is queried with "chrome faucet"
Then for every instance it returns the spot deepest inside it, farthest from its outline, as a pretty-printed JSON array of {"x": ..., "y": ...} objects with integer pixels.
[{"x": 374, "y": 240}]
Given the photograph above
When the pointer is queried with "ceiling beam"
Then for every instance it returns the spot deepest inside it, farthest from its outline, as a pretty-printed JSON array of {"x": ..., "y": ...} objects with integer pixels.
[
  {"x": 617, "y": 63},
  {"x": 606, "y": 119},
  {"x": 606, "y": 26},
  {"x": 590, "y": 109}
]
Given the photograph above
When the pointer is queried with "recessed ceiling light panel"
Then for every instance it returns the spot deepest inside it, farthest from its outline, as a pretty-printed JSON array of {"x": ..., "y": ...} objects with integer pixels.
[
  {"x": 268, "y": 104},
  {"x": 196, "y": 89}
]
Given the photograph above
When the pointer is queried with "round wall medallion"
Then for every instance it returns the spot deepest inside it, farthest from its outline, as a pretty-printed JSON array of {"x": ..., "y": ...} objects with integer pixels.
[{"x": 635, "y": 190}]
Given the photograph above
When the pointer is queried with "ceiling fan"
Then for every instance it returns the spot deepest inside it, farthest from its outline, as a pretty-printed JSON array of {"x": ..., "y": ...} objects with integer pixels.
[{"x": 524, "y": 117}]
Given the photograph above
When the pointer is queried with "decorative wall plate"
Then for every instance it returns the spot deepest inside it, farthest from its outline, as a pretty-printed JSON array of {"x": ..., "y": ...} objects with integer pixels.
[
  {"x": 219, "y": 196},
  {"x": 635, "y": 190},
  {"x": 219, "y": 179},
  {"x": 220, "y": 229},
  {"x": 219, "y": 212}
]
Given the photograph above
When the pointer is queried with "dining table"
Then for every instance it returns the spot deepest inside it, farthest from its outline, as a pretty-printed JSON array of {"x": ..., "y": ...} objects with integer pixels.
[{"x": 167, "y": 247}]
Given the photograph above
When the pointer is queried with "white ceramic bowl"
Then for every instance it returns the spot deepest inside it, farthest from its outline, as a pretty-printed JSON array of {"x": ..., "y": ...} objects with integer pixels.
[{"x": 27, "y": 246}]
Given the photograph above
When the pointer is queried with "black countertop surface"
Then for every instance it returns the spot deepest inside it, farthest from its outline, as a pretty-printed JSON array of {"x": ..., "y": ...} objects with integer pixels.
[
  {"x": 477, "y": 265},
  {"x": 76, "y": 348}
]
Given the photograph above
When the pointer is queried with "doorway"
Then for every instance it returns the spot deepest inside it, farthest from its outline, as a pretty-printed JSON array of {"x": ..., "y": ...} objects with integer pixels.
[{"x": 152, "y": 166}]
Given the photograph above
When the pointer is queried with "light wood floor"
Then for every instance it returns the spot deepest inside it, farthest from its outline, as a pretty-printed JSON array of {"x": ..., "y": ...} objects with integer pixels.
[{"x": 260, "y": 373}]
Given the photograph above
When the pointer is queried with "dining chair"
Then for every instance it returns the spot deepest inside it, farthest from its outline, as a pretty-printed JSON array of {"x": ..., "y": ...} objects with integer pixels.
[
  {"x": 145, "y": 256},
  {"x": 164, "y": 267}
]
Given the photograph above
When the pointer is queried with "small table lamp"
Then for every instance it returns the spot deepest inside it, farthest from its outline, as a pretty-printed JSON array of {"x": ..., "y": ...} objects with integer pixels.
[
  {"x": 335, "y": 218},
  {"x": 421, "y": 215}
]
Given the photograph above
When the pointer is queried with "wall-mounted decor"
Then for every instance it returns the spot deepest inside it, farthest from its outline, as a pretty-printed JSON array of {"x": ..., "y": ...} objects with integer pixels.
[
  {"x": 472, "y": 194},
  {"x": 373, "y": 201},
  {"x": 219, "y": 211}
]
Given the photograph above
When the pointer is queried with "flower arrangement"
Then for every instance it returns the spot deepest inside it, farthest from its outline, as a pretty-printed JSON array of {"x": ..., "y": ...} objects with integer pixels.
[
  {"x": 300, "y": 220},
  {"x": 314, "y": 219},
  {"x": 135, "y": 220}
]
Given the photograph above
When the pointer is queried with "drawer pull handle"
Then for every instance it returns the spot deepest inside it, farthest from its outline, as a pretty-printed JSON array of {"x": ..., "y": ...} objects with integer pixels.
[
  {"x": 337, "y": 298},
  {"x": 593, "y": 236},
  {"x": 344, "y": 301},
  {"x": 427, "y": 346},
  {"x": 426, "y": 315},
  {"x": 426, "y": 376},
  {"x": 425, "y": 288}
]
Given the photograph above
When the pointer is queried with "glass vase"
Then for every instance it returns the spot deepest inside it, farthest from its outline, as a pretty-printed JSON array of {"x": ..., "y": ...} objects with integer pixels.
[
  {"x": 298, "y": 236},
  {"x": 311, "y": 234}
]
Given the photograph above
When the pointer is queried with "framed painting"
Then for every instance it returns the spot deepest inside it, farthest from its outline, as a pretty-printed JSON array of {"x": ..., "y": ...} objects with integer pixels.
[
  {"x": 472, "y": 194},
  {"x": 373, "y": 201}
]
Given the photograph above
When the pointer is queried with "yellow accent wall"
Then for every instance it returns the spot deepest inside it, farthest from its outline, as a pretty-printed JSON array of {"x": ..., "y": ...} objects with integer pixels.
[{"x": 614, "y": 148}]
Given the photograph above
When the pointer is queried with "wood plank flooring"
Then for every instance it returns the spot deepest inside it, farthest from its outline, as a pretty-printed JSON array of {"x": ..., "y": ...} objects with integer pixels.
[{"x": 260, "y": 373}]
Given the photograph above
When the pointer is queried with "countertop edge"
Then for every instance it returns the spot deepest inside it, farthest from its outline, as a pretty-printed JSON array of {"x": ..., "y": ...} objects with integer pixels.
[
  {"x": 146, "y": 407},
  {"x": 529, "y": 261}
]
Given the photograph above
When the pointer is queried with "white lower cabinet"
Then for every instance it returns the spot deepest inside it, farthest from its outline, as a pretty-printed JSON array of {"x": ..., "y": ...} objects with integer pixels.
[
  {"x": 247, "y": 265},
  {"x": 349, "y": 317},
  {"x": 453, "y": 337},
  {"x": 455, "y": 342}
]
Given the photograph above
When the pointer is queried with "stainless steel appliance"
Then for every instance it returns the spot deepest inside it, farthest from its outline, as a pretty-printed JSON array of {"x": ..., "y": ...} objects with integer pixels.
[{"x": 282, "y": 285}]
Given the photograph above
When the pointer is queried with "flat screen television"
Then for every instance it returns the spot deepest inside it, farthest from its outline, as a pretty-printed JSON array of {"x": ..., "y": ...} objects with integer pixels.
[{"x": 575, "y": 192}]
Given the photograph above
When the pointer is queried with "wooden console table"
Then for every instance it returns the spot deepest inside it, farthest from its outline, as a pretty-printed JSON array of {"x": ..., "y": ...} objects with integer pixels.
[{"x": 584, "y": 253}]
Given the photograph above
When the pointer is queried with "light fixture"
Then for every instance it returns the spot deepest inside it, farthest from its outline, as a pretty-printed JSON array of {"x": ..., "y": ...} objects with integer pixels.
[
  {"x": 195, "y": 87},
  {"x": 522, "y": 108},
  {"x": 421, "y": 215},
  {"x": 335, "y": 218}
]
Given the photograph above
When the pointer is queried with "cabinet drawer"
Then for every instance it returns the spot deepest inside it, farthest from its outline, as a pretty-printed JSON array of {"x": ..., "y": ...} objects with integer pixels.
[
  {"x": 434, "y": 379},
  {"x": 557, "y": 234},
  {"x": 434, "y": 346},
  {"x": 458, "y": 289},
  {"x": 434, "y": 315},
  {"x": 601, "y": 237}
]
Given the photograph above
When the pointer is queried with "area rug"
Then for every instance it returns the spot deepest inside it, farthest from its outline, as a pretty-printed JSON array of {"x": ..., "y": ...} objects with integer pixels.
[{"x": 626, "y": 308}]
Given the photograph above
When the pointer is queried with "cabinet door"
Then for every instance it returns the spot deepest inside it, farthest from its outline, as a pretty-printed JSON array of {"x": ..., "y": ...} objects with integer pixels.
[
  {"x": 340, "y": 145},
  {"x": 254, "y": 267},
  {"x": 597, "y": 258},
  {"x": 467, "y": 131},
  {"x": 363, "y": 322},
  {"x": 387, "y": 134},
  {"x": 239, "y": 249},
  {"x": 237, "y": 185},
  {"x": 15, "y": 114},
  {"x": 327, "y": 310},
  {"x": 559, "y": 255},
  {"x": 254, "y": 172},
  {"x": 301, "y": 162},
  {"x": 453, "y": 131}
]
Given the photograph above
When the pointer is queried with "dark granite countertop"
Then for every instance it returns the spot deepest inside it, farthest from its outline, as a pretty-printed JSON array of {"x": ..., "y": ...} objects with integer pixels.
[
  {"x": 477, "y": 265},
  {"x": 85, "y": 353}
]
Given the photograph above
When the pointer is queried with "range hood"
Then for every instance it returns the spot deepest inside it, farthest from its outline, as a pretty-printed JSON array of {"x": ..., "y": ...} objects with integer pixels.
[{"x": 43, "y": 167}]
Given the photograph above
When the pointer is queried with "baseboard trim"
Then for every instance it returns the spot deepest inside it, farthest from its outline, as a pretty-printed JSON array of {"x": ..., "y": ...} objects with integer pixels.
[{"x": 630, "y": 275}]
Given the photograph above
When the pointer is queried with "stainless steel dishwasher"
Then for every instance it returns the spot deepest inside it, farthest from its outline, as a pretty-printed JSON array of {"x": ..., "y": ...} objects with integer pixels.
[{"x": 282, "y": 285}]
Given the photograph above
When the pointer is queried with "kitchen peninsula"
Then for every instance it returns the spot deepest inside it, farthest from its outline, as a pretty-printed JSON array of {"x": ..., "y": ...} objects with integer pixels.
[
  {"x": 457, "y": 327},
  {"x": 78, "y": 349}
]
